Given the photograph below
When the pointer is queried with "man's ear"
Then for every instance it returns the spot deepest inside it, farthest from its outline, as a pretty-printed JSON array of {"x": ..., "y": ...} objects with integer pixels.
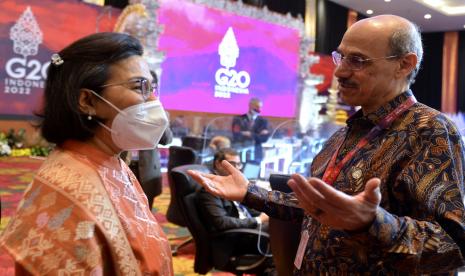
[
  {"x": 407, "y": 64},
  {"x": 86, "y": 102}
]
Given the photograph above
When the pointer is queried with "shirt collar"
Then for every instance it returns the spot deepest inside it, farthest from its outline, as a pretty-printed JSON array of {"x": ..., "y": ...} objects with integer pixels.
[
  {"x": 252, "y": 116},
  {"x": 380, "y": 113}
]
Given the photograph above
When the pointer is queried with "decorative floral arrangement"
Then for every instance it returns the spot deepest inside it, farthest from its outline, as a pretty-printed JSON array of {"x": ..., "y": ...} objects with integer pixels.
[
  {"x": 12, "y": 143},
  {"x": 5, "y": 149}
]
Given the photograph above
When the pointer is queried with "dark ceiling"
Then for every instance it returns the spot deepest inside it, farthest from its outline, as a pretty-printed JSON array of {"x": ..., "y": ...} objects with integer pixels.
[{"x": 294, "y": 7}]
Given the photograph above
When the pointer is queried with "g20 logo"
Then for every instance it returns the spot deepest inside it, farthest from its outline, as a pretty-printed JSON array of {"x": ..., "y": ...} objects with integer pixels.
[
  {"x": 20, "y": 68},
  {"x": 232, "y": 78},
  {"x": 24, "y": 75}
]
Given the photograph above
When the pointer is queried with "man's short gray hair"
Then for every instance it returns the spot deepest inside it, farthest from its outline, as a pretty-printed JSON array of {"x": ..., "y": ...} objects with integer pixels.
[{"x": 407, "y": 40}]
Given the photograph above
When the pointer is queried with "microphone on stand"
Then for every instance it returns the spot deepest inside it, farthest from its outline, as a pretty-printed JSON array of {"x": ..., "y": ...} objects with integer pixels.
[
  {"x": 205, "y": 133},
  {"x": 280, "y": 125}
]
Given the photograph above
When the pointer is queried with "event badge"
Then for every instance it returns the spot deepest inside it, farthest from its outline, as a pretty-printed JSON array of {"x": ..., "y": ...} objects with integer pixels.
[{"x": 301, "y": 251}]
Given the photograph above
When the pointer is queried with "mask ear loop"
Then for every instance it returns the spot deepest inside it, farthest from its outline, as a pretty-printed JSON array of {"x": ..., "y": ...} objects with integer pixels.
[
  {"x": 107, "y": 128},
  {"x": 112, "y": 105},
  {"x": 108, "y": 102}
]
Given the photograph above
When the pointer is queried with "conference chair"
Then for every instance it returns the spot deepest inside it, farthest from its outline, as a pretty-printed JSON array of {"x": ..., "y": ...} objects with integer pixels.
[
  {"x": 195, "y": 142},
  {"x": 200, "y": 145},
  {"x": 208, "y": 254},
  {"x": 178, "y": 156}
]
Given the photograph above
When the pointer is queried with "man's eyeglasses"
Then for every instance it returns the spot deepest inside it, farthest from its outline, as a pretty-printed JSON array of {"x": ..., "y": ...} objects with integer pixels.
[
  {"x": 141, "y": 86},
  {"x": 237, "y": 165},
  {"x": 353, "y": 62}
]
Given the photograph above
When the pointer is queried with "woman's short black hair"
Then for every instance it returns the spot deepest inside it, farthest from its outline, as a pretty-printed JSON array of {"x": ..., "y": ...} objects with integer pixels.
[{"x": 86, "y": 64}]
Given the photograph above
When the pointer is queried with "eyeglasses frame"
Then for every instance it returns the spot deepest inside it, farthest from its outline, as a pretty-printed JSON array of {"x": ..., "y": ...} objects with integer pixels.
[
  {"x": 363, "y": 61},
  {"x": 153, "y": 88}
]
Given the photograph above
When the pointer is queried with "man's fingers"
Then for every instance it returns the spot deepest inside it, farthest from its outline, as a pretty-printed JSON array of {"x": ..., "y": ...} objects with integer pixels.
[
  {"x": 303, "y": 202},
  {"x": 331, "y": 194},
  {"x": 323, "y": 196},
  {"x": 372, "y": 191},
  {"x": 194, "y": 174},
  {"x": 229, "y": 168},
  {"x": 199, "y": 175},
  {"x": 204, "y": 179},
  {"x": 309, "y": 198},
  {"x": 307, "y": 190}
]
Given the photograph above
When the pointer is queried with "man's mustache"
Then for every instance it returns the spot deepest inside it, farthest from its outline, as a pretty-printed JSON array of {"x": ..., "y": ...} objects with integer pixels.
[{"x": 346, "y": 82}]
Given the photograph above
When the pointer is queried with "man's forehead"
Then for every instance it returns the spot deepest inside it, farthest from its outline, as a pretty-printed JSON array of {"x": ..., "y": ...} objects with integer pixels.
[
  {"x": 366, "y": 37},
  {"x": 363, "y": 46}
]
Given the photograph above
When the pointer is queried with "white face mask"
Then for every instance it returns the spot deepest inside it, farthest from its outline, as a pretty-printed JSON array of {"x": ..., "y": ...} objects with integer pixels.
[{"x": 137, "y": 127}]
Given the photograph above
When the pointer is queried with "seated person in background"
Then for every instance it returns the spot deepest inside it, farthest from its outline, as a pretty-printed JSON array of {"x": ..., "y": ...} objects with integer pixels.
[
  {"x": 219, "y": 142},
  {"x": 221, "y": 214},
  {"x": 225, "y": 214}
]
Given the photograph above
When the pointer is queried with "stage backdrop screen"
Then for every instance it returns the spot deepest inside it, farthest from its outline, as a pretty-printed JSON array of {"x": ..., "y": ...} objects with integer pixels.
[{"x": 216, "y": 61}]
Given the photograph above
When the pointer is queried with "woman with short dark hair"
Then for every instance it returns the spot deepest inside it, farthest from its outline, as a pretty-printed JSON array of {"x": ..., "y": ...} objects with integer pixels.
[{"x": 85, "y": 212}]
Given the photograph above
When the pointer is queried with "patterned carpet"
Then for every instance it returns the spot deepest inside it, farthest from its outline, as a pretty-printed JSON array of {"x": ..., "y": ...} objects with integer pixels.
[{"x": 17, "y": 172}]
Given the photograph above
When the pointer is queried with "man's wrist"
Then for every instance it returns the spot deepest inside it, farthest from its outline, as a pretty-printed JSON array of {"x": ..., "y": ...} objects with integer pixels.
[{"x": 246, "y": 192}]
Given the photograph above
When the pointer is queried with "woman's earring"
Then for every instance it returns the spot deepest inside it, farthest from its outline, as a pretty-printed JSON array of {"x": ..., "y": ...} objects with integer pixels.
[{"x": 89, "y": 116}]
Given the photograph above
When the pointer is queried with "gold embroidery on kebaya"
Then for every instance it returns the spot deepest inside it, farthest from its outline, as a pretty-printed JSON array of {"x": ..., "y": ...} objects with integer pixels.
[{"x": 85, "y": 230}]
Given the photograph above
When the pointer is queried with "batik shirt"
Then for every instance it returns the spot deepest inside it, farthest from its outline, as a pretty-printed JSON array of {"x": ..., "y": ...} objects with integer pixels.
[
  {"x": 86, "y": 214},
  {"x": 420, "y": 225}
]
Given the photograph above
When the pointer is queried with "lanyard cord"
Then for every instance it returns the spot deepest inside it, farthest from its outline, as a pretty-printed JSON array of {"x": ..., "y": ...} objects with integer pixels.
[{"x": 332, "y": 170}]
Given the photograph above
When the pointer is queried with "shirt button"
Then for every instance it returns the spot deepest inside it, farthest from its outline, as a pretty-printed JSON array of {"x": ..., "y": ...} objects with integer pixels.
[{"x": 357, "y": 173}]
